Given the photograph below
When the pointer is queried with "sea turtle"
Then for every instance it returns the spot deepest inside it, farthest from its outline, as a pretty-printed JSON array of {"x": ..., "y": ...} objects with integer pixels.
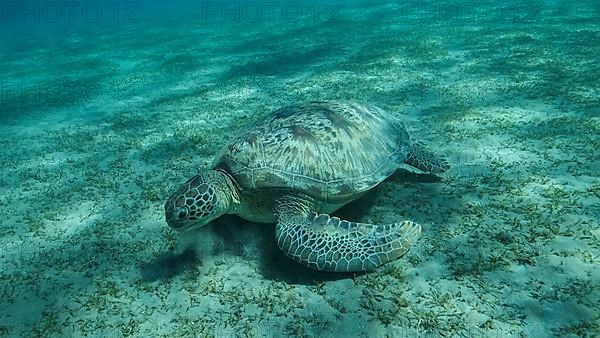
[{"x": 301, "y": 163}]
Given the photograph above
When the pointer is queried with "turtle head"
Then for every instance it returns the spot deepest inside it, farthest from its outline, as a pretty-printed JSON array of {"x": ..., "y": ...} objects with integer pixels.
[{"x": 200, "y": 200}]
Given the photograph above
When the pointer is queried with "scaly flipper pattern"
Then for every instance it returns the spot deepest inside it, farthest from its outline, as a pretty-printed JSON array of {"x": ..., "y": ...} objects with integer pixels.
[{"x": 330, "y": 244}]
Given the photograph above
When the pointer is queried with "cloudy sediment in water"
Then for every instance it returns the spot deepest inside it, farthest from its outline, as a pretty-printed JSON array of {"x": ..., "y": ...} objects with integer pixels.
[{"x": 107, "y": 107}]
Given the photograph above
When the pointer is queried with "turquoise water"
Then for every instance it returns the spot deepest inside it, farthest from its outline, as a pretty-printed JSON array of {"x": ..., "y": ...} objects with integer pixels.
[{"x": 108, "y": 107}]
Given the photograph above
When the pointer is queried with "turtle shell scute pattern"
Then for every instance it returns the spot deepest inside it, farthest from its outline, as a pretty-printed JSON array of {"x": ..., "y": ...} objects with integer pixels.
[{"x": 329, "y": 150}]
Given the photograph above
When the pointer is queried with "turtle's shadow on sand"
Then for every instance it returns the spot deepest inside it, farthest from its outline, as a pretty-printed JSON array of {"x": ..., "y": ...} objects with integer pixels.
[
  {"x": 270, "y": 261},
  {"x": 407, "y": 176},
  {"x": 169, "y": 265},
  {"x": 356, "y": 209}
]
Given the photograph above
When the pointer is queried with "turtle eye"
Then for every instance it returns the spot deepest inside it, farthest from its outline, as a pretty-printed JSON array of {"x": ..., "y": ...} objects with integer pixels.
[{"x": 182, "y": 214}]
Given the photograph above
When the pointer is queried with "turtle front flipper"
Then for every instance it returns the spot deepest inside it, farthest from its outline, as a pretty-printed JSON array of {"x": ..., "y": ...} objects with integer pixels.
[
  {"x": 330, "y": 244},
  {"x": 421, "y": 157}
]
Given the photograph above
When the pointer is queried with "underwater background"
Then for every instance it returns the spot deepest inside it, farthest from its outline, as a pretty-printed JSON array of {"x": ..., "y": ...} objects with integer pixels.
[{"x": 107, "y": 107}]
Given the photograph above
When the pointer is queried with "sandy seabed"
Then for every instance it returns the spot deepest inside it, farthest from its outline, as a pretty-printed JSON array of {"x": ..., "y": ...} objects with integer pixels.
[{"x": 113, "y": 121}]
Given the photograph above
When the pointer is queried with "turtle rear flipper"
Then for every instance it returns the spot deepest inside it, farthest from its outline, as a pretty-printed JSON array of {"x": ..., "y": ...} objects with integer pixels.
[
  {"x": 421, "y": 157},
  {"x": 330, "y": 244}
]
